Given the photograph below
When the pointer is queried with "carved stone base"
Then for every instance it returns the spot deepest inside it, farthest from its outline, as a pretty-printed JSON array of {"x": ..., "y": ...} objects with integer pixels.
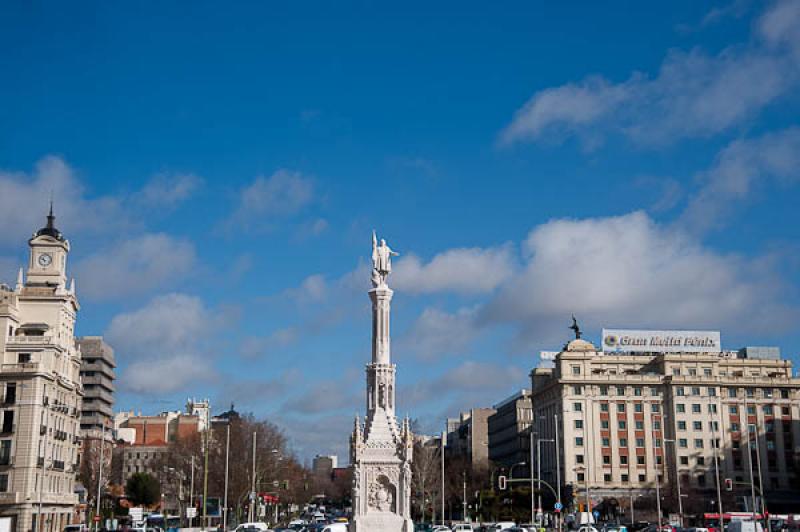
[{"x": 381, "y": 522}]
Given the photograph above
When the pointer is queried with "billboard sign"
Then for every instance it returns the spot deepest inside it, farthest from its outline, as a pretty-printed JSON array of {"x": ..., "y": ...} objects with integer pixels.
[{"x": 637, "y": 341}]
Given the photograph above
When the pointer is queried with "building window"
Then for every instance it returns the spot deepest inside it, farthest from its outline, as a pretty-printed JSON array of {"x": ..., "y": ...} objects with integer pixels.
[
  {"x": 676, "y": 372},
  {"x": 679, "y": 391},
  {"x": 751, "y": 410},
  {"x": 653, "y": 391},
  {"x": 637, "y": 391},
  {"x": 606, "y": 459},
  {"x": 639, "y": 442},
  {"x": 701, "y": 460},
  {"x": 578, "y": 423},
  {"x": 640, "y": 460},
  {"x": 606, "y": 442},
  {"x": 767, "y": 393},
  {"x": 731, "y": 392},
  {"x": 680, "y": 408},
  {"x": 712, "y": 392},
  {"x": 657, "y": 424},
  {"x": 735, "y": 427},
  {"x": 623, "y": 459},
  {"x": 733, "y": 409},
  {"x": 681, "y": 425},
  {"x": 698, "y": 443},
  {"x": 642, "y": 478},
  {"x": 624, "y": 478},
  {"x": 604, "y": 424},
  {"x": 784, "y": 394},
  {"x": 606, "y": 477},
  {"x": 655, "y": 408},
  {"x": 5, "y": 452},
  {"x": 620, "y": 407},
  {"x": 695, "y": 408},
  {"x": 683, "y": 442},
  {"x": 638, "y": 408},
  {"x": 604, "y": 407},
  {"x": 577, "y": 390},
  {"x": 23, "y": 358},
  {"x": 697, "y": 425},
  {"x": 684, "y": 460},
  {"x": 658, "y": 460},
  {"x": 576, "y": 370},
  {"x": 603, "y": 390},
  {"x": 11, "y": 393},
  {"x": 620, "y": 390},
  {"x": 639, "y": 425},
  {"x": 4, "y": 482},
  {"x": 623, "y": 442},
  {"x": 622, "y": 425},
  {"x": 701, "y": 480},
  {"x": 695, "y": 390},
  {"x": 785, "y": 410},
  {"x": 658, "y": 442},
  {"x": 750, "y": 391},
  {"x": 768, "y": 410},
  {"x": 692, "y": 372},
  {"x": 577, "y": 407},
  {"x": 712, "y": 408},
  {"x": 578, "y": 458},
  {"x": 579, "y": 441},
  {"x": 706, "y": 372},
  {"x": 580, "y": 477},
  {"x": 770, "y": 445}
]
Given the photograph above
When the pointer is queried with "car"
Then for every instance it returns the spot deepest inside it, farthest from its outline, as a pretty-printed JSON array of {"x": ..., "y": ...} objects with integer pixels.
[
  {"x": 252, "y": 527},
  {"x": 75, "y": 528},
  {"x": 335, "y": 527},
  {"x": 462, "y": 527},
  {"x": 502, "y": 525},
  {"x": 587, "y": 528}
]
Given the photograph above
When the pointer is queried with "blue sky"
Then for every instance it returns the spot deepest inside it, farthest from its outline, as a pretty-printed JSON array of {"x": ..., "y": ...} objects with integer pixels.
[{"x": 219, "y": 169}]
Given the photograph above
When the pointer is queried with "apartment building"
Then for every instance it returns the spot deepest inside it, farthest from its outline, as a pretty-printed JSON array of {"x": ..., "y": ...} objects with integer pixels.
[
  {"x": 509, "y": 430},
  {"x": 97, "y": 376},
  {"x": 628, "y": 420},
  {"x": 40, "y": 388},
  {"x": 468, "y": 436}
]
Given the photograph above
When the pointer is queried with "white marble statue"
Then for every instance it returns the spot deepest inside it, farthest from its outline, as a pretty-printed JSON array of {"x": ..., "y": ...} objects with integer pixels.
[{"x": 381, "y": 261}]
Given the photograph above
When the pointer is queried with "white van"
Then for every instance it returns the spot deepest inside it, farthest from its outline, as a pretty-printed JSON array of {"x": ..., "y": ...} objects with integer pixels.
[{"x": 745, "y": 526}]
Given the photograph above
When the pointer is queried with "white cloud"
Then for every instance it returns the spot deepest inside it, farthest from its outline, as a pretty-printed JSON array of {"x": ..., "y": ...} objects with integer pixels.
[
  {"x": 629, "y": 271},
  {"x": 255, "y": 346},
  {"x": 470, "y": 384},
  {"x": 134, "y": 266},
  {"x": 24, "y": 202},
  {"x": 436, "y": 333},
  {"x": 284, "y": 193},
  {"x": 460, "y": 270},
  {"x": 166, "y": 342},
  {"x": 168, "y": 190},
  {"x": 740, "y": 168},
  {"x": 694, "y": 94}
]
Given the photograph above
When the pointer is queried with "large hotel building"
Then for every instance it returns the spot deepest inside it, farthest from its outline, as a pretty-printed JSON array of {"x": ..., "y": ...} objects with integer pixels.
[{"x": 628, "y": 420}]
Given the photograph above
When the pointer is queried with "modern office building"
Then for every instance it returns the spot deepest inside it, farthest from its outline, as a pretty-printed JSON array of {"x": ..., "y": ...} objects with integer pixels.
[
  {"x": 40, "y": 388},
  {"x": 658, "y": 407},
  {"x": 323, "y": 465},
  {"x": 509, "y": 430}
]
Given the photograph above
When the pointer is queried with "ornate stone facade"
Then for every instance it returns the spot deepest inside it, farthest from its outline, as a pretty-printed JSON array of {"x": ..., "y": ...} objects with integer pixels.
[{"x": 381, "y": 450}]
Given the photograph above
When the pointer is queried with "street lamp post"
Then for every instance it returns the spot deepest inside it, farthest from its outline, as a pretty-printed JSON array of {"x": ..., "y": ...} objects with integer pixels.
[
  {"x": 227, "y": 455},
  {"x": 442, "y": 448}
]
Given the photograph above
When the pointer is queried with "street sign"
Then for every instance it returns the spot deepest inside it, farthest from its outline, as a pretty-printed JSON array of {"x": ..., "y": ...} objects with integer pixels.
[
  {"x": 558, "y": 506},
  {"x": 191, "y": 512}
]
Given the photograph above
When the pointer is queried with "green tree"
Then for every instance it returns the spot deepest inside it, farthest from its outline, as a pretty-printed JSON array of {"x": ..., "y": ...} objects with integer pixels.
[{"x": 143, "y": 489}]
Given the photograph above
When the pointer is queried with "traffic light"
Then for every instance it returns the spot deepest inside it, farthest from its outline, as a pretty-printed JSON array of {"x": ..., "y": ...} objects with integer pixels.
[
  {"x": 502, "y": 482},
  {"x": 728, "y": 484}
]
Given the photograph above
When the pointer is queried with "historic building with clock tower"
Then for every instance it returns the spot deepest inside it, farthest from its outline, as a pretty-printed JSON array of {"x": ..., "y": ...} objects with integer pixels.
[{"x": 40, "y": 389}]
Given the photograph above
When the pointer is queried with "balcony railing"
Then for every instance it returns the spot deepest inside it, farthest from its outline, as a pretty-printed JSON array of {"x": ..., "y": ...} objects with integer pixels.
[{"x": 28, "y": 340}]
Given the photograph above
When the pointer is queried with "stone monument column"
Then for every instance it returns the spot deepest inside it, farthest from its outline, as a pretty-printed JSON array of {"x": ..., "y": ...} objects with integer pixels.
[{"x": 381, "y": 451}]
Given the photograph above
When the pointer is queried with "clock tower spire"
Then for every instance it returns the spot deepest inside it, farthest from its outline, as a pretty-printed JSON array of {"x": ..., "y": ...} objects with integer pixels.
[{"x": 47, "y": 265}]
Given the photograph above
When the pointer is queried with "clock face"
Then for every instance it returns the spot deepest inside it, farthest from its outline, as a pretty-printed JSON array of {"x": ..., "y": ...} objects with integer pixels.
[{"x": 45, "y": 259}]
